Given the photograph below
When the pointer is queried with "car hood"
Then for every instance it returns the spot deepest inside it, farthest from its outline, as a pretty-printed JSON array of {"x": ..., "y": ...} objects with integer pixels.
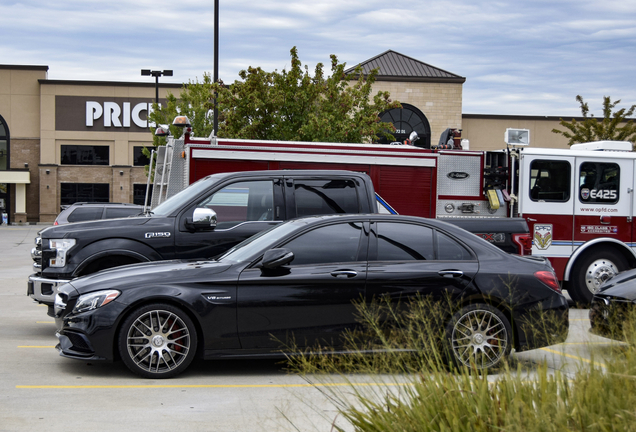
[
  {"x": 163, "y": 272},
  {"x": 623, "y": 285}
]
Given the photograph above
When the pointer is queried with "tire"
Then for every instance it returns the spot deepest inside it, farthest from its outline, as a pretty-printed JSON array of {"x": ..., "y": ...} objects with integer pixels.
[
  {"x": 479, "y": 337},
  {"x": 591, "y": 270},
  {"x": 167, "y": 345}
]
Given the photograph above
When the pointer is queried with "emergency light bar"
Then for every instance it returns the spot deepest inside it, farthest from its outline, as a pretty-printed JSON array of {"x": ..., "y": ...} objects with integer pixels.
[{"x": 517, "y": 136}]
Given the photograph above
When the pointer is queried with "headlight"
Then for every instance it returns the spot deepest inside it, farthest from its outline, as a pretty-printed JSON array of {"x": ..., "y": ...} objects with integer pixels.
[
  {"x": 95, "y": 300},
  {"x": 61, "y": 247}
]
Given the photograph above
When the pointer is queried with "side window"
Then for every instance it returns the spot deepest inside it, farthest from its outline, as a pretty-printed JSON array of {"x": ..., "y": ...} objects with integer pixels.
[
  {"x": 449, "y": 249},
  {"x": 403, "y": 242},
  {"x": 599, "y": 182},
  {"x": 242, "y": 202},
  {"x": 120, "y": 212},
  {"x": 317, "y": 197},
  {"x": 328, "y": 244},
  {"x": 85, "y": 213},
  {"x": 550, "y": 180}
]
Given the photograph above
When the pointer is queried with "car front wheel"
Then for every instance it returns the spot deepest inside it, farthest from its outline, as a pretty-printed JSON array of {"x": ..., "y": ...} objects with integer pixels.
[
  {"x": 480, "y": 336},
  {"x": 157, "y": 341}
]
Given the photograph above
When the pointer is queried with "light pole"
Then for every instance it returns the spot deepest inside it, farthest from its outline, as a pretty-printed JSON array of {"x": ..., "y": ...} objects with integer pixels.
[
  {"x": 216, "y": 65},
  {"x": 156, "y": 74}
]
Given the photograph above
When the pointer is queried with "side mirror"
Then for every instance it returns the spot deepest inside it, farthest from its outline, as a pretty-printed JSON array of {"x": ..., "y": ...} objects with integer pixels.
[
  {"x": 275, "y": 258},
  {"x": 202, "y": 219},
  {"x": 413, "y": 137}
]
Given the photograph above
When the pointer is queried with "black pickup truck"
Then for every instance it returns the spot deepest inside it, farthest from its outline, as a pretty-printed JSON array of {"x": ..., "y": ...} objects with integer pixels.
[{"x": 209, "y": 217}]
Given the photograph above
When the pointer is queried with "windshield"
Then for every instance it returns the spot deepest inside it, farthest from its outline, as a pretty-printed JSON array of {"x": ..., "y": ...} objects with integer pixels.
[
  {"x": 181, "y": 199},
  {"x": 258, "y": 242}
]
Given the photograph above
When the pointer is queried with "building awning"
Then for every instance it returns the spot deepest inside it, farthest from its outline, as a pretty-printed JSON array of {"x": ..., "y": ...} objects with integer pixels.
[{"x": 17, "y": 177}]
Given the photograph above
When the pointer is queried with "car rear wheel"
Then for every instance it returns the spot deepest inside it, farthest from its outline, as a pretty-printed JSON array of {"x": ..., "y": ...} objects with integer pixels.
[
  {"x": 480, "y": 336},
  {"x": 157, "y": 341}
]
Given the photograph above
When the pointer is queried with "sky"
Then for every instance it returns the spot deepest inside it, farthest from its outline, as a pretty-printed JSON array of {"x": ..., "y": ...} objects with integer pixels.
[{"x": 518, "y": 57}]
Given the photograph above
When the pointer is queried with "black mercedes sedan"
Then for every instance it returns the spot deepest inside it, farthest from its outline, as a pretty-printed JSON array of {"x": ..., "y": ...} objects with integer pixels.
[
  {"x": 613, "y": 308},
  {"x": 300, "y": 280}
]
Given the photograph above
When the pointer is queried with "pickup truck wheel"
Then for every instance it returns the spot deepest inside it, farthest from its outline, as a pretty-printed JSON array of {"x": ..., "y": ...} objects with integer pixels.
[
  {"x": 479, "y": 336},
  {"x": 157, "y": 341},
  {"x": 591, "y": 270}
]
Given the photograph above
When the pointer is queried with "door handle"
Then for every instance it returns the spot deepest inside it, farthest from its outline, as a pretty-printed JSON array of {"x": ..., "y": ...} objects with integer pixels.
[
  {"x": 344, "y": 274},
  {"x": 451, "y": 273}
]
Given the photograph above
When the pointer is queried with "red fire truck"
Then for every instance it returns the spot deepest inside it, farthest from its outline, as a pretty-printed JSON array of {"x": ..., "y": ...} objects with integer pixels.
[{"x": 578, "y": 202}]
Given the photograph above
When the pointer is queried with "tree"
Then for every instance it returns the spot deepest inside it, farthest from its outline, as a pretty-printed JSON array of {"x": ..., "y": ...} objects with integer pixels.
[
  {"x": 295, "y": 106},
  {"x": 614, "y": 126}
]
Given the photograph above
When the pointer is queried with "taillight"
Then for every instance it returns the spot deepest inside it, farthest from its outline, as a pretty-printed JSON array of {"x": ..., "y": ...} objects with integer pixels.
[
  {"x": 549, "y": 278},
  {"x": 524, "y": 243},
  {"x": 55, "y": 223}
]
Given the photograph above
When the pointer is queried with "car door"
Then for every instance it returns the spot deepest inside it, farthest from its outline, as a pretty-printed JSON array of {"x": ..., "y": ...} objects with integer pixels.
[
  {"x": 408, "y": 259},
  {"x": 244, "y": 207},
  {"x": 309, "y": 301}
]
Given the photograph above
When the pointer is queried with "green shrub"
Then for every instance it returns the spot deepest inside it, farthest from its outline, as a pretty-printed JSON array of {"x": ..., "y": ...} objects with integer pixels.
[{"x": 415, "y": 388}]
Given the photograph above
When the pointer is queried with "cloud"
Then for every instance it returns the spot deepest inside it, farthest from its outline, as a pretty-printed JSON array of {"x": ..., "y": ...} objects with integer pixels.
[{"x": 518, "y": 57}]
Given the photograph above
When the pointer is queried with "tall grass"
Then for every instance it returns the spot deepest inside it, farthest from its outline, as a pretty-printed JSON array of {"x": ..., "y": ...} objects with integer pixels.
[{"x": 423, "y": 391}]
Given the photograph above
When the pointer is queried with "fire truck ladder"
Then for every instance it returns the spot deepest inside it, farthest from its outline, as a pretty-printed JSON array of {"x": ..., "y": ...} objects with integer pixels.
[{"x": 169, "y": 174}]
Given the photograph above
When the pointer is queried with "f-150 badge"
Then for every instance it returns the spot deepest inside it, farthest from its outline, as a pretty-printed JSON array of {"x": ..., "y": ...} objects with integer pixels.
[
  {"x": 157, "y": 235},
  {"x": 543, "y": 236}
]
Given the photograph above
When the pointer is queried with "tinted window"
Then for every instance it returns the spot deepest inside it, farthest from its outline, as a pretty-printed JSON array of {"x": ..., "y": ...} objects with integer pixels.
[
  {"x": 404, "y": 242},
  {"x": 139, "y": 158},
  {"x": 333, "y": 243},
  {"x": 317, "y": 197},
  {"x": 85, "y": 155},
  {"x": 139, "y": 194},
  {"x": 70, "y": 193},
  {"x": 449, "y": 250},
  {"x": 120, "y": 212},
  {"x": 550, "y": 180},
  {"x": 241, "y": 202},
  {"x": 85, "y": 213},
  {"x": 599, "y": 182}
]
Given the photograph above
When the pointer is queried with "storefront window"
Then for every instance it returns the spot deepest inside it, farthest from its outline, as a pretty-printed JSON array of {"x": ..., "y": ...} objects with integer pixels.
[
  {"x": 85, "y": 155},
  {"x": 84, "y": 192},
  {"x": 139, "y": 194},
  {"x": 4, "y": 146},
  {"x": 139, "y": 158}
]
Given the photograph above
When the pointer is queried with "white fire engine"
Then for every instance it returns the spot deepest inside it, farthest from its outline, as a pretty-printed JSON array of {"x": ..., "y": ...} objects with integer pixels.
[{"x": 578, "y": 202}]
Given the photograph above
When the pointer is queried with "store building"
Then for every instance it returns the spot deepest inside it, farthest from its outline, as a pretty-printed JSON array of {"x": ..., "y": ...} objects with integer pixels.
[{"x": 68, "y": 141}]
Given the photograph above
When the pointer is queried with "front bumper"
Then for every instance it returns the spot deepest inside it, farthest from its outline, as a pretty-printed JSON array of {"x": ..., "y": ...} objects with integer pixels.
[
  {"x": 610, "y": 316},
  {"x": 43, "y": 290}
]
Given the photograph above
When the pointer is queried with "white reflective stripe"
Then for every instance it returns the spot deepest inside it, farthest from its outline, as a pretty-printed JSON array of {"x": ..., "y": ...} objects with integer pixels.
[
  {"x": 553, "y": 251},
  {"x": 384, "y": 159}
]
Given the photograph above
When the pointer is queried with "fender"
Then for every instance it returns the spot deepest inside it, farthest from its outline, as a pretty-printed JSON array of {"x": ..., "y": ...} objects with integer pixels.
[
  {"x": 586, "y": 246},
  {"x": 114, "y": 246}
]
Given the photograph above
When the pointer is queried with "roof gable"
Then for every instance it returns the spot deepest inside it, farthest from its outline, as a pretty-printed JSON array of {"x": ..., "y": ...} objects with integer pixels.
[{"x": 394, "y": 66}]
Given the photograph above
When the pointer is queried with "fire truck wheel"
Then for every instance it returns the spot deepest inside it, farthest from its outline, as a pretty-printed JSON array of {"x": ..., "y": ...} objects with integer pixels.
[{"x": 591, "y": 270}]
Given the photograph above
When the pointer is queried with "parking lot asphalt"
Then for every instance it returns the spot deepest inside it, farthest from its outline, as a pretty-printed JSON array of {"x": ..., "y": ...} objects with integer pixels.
[{"x": 39, "y": 390}]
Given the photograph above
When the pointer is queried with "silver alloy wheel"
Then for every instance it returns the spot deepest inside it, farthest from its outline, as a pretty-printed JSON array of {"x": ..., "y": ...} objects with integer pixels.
[
  {"x": 598, "y": 272},
  {"x": 479, "y": 338},
  {"x": 158, "y": 341}
]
